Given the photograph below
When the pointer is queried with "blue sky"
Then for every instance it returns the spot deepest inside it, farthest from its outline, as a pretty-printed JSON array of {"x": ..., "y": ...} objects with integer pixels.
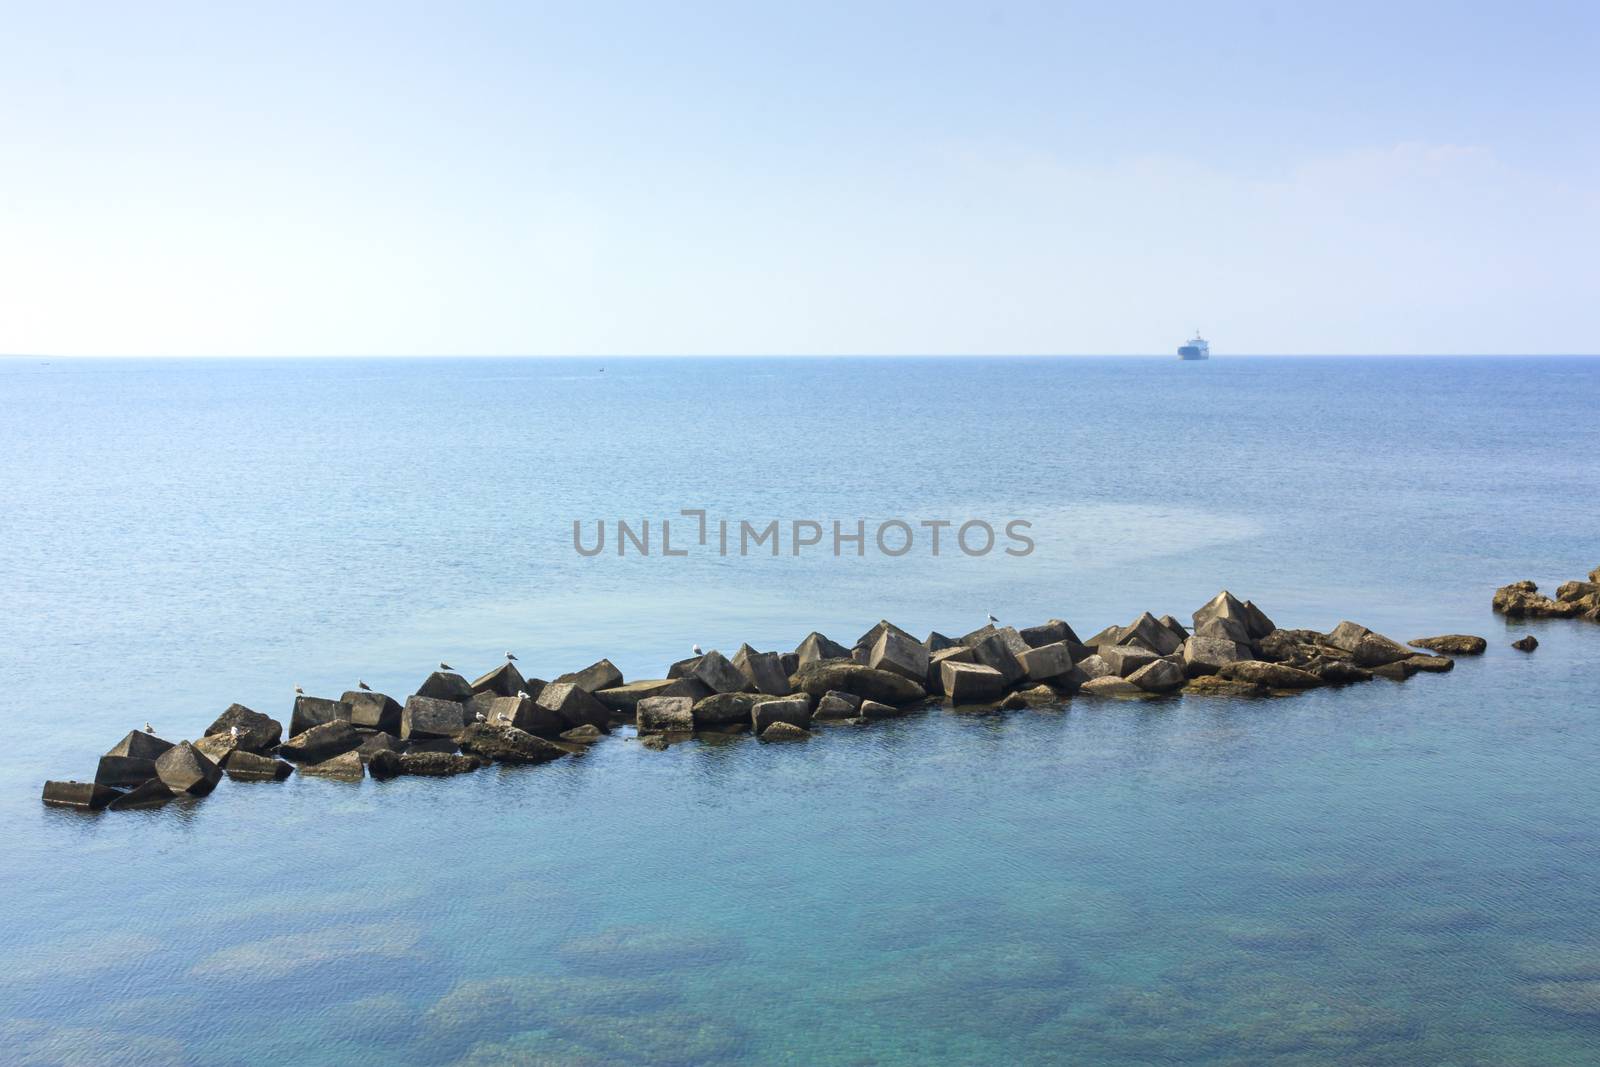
[{"x": 801, "y": 178}]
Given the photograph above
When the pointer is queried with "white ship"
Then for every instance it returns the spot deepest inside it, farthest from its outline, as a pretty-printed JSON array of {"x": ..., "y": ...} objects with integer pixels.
[{"x": 1197, "y": 348}]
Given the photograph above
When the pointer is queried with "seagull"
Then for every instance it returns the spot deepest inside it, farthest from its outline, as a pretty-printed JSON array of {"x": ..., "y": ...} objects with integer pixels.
[
  {"x": 233, "y": 732},
  {"x": 992, "y": 619},
  {"x": 443, "y": 666},
  {"x": 149, "y": 729},
  {"x": 482, "y": 717},
  {"x": 299, "y": 692},
  {"x": 697, "y": 651},
  {"x": 511, "y": 657},
  {"x": 363, "y": 686}
]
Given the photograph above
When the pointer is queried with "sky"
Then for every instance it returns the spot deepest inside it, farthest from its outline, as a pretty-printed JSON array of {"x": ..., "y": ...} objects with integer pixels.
[{"x": 798, "y": 178}]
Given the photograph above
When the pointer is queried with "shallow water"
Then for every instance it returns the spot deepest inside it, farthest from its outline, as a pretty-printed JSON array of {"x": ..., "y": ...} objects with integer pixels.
[{"x": 1395, "y": 873}]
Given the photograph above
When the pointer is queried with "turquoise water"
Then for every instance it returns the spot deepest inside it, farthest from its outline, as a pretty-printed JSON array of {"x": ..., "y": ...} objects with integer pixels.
[{"x": 1395, "y": 873}]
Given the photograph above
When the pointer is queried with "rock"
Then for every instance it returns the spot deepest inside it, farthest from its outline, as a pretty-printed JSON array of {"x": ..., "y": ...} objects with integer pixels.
[
  {"x": 257, "y": 732},
  {"x": 936, "y": 662},
  {"x": 425, "y": 716},
  {"x": 792, "y": 709},
  {"x": 900, "y": 655},
  {"x": 1256, "y": 621},
  {"x": 140, "y": 745},
  {"x": 314, "y": 711},
  {"x": 1398, "y": 671},
  {"x": 1297, "y": 647},
  {"x": 1579, "y": 998},
  {"x": 1013, "y": 702},
  {"x": 995, "y": 652},
  {"x": 375, "y": 743},
  {"x": 385, "y": 764},
  {"x": 86, "y": 796},
  {"x": 445, "y": 685},
  {"x": 1147, "y": 631},
  {"x": 1111, "y": 686},
  {"x": 624, "y": 699},
  {"x": 1525, "y": 644},
  {"x": 1224, "y": 629},
  {"x": 1162, "y": 676},
  {"x": 1271, "y": 675},
  {"x": 720, "y": 709},
  {"x": 1053, "y": 632},
  {"x": 582, "y": 735},
  {"x": 1125, "y": 659},
  {"x": 1340, "y": 672},
  {"x": 1095, "y": 666},
  {"x": 660, "y": 715},
  {"x": 837, "y": 705},
  {"x": 347, "y": 767},
  {"x": 1009, "y": 638},
  {"x": 784, "y": 731},
  {"x": 1175, "y": 627},
  {"x": 447, "y": 745},
  {"x": 254, "y": 767},
  {"x": 1432, "y": 664},
  {"x": 124, "y": 771},
  {"x": 151, "y": 794},
  {"x": 1453, "y": 644},
  {"x": 718, "y": 675},
  {"x": 436, "y": 764},
  {"x": 817, "y": 647},
  {"x": 1224, "y": 606},
  {"x": 872, "y": 709},
  {"x": 1047, "y": 661},
  {"x": 216, "y": 746},
  {"x": 505, "y": 680},
  {"x": 1208, "y": 655},
  {"x": 533, "y": 687},
  {"x": 1523, "y": 600},
  {"x": 971, "y": 683},
  {"x": 1109, "y": 636},
  {"x": 1366, "y": 649},
  {"x": 1577, "y": 591},
  {"x": 1594, "y": 576},
  {"x": 790, "y": 662},
  {"x": 655, "y": 742},
  {"x": 508, "y": 744},
  {"x": 684, "y": 668},
  {"x": 575, "y": 705},
  {"x": 763, "y": 671},
  {"x": 1216, "y": 685},
  {"x": 185, "y": 769},
  {"x": 525, "y": 713},
  {"x": 1038, "y": 696},
  {"x": 595, "y": 677},
  {"x": 868, "y": 640},
  {"x": 477, "y": 707},
  {"x": 938, "y": 642},
  {"x": 322, "y": 743},
  {"x": 865, "y": 682}
]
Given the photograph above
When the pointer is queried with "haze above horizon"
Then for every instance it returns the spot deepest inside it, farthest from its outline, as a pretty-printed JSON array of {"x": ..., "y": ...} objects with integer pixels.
[{"x": 1411, "y": 178}]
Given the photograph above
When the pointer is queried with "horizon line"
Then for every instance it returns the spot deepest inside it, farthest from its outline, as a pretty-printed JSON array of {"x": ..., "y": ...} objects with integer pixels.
[{"x": 46, "y": 356}]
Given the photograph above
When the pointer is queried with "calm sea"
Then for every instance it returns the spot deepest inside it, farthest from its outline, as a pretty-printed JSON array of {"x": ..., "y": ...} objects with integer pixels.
[{"x": 1392, "y": 874}]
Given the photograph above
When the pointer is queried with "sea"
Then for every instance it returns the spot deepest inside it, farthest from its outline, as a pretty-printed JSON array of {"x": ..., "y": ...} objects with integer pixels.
[{"x": 1393, "y": 873}]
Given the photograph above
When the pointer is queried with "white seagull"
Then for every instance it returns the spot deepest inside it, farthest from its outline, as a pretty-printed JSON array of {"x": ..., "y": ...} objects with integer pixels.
[
  {"x": 149, "y": 729},
  {"x": 233, "y": 732},
  {"x": 992, "y": 619},
  {"x": 511, "y": 657},
  {"x": 481, "y": 716},
  {"x": 697, "y": 651},
  {"x": 299, "y": 692}
]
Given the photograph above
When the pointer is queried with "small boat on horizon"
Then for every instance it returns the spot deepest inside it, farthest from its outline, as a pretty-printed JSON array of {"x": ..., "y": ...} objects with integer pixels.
[{"x": 1197, "y": 348}]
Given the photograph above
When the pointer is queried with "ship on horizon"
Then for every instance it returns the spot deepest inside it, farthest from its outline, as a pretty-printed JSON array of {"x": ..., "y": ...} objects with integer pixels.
[{"x": 1197, "y": 348}]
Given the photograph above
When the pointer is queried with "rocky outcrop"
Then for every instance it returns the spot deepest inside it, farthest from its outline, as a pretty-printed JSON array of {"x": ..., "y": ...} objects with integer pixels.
[
  {"x": 1452, "y": 644},
  {"x": 1526, "y": 643},
  {"x": 525, "y": 713},
  {"x": 1522, "y": 600},
  {"x": 1365, "y": 648}
]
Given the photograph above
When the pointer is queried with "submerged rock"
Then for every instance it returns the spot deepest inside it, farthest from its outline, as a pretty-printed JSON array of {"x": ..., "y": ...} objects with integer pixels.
[
  {"x": 151, "y": 794},
  {"x": 1453, "y": 644},
  {"x": 86, "y": 796},
  {"x": 587, "y": 734},
  {"x": 257, "y": 732},
  {"x": 1526, "y": 643}
]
